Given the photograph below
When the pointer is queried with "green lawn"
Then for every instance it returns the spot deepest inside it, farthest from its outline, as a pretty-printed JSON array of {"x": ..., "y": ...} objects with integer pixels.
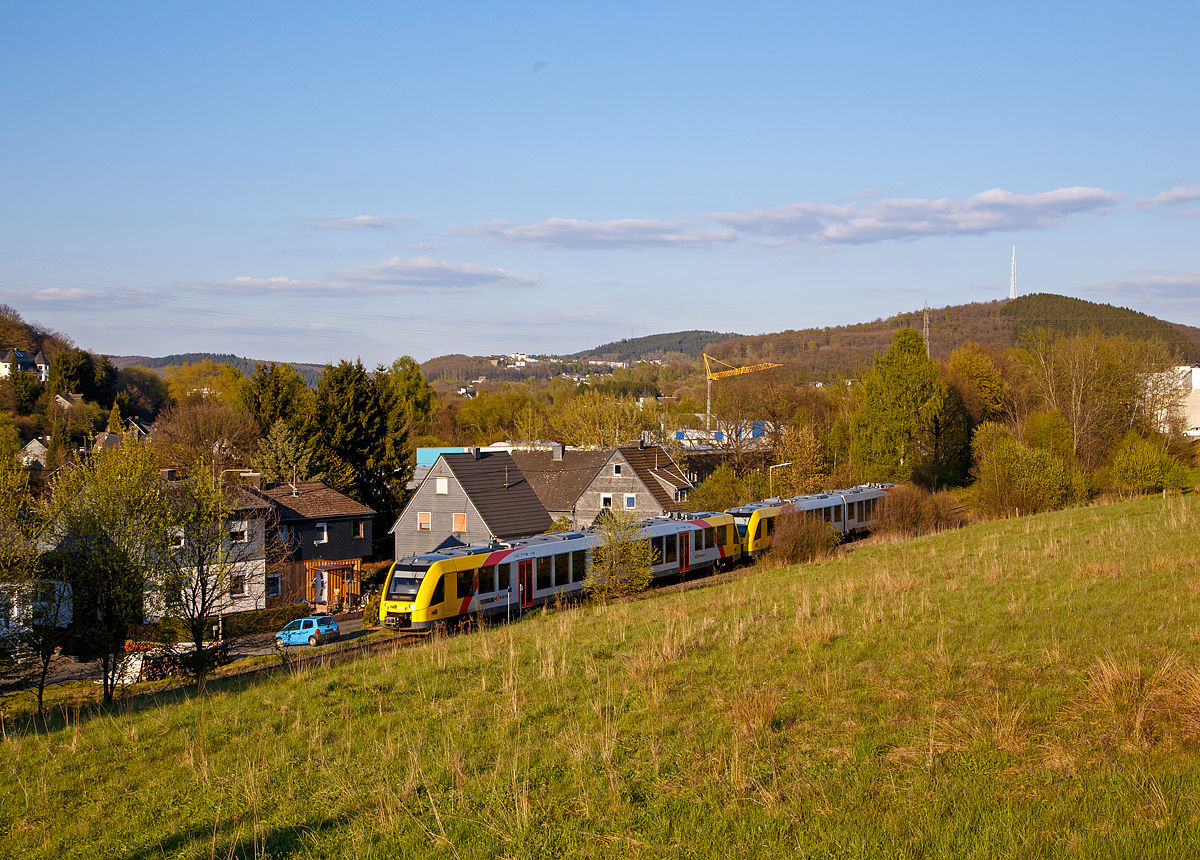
[{"x": 1020, "y": 688}]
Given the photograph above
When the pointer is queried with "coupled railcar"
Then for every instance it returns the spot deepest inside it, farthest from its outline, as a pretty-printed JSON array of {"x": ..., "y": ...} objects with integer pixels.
[{"x": 505, "y": 580}]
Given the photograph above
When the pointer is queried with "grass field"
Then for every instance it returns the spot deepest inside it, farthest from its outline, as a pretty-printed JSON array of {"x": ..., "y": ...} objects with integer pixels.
[{"x": 1020, "y": 688}]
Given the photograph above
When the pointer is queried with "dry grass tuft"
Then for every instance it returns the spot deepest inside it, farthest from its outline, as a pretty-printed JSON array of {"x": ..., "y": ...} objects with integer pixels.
[
  {"x": 1123, "y": 701},
  {"x": 1106, "y": 569},
  {"x": 754, "y": 711}
]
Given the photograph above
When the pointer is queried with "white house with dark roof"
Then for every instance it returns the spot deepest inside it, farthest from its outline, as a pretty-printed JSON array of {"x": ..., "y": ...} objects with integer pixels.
[{"x": 24, "y": 363}]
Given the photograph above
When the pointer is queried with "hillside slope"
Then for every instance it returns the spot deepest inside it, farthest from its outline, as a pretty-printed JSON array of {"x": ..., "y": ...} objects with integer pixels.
[
  {"x": 838, "y": 351},
  {"x": 248, "y": 366},
  {"x": 688, "y": 343},
  {"x": 1019, "y": 688}
]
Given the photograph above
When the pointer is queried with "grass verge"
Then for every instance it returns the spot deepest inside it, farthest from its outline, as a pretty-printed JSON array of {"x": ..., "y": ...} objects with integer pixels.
[{"x": 1016, "y": 688}]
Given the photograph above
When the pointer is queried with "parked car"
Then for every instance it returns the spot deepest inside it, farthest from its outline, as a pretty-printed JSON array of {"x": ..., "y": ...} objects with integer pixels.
[{"x": 314, "y": 630}]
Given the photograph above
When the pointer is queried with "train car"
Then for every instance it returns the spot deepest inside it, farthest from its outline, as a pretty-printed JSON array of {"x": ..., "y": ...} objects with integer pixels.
[
  {"x": 503, "y": 580},
  {"x": 756, "y": 525},
  {"x": 720, "y": 532}
]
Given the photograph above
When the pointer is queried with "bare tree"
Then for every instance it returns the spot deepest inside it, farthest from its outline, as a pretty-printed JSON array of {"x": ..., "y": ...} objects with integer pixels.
[
  {"x": 217, "y": 554},
  {"x": 221, "y": 436}
]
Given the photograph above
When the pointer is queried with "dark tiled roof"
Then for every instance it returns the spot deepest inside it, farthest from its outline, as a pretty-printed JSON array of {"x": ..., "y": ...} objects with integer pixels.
[
  {"x": 504, "y": 498},
  {"x": 558, "y": 483},
  {"x": 658, "y": 472},
  {"x": 312, "y": 501}
]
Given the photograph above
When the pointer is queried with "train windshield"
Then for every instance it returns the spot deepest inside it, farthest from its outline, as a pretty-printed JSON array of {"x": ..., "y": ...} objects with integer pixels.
[{"x": 407, "y": 576}]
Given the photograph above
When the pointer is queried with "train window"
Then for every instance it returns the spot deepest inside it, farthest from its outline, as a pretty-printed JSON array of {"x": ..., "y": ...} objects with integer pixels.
[
  {"x": 578, "y": 565},
  {"x": 439, "y": 592},
  {"x": 562, "y": 575},
  {"x": 669, "y": 556},
  {"x": 466, "y": 584},
  {"x": 543, "y": 573},
  {"x": 710, "y": 538},
  {"x": 697, "y": 541},
  {"x": 656, "y": 545},
  {"x": 758, "y": 531},
  {"x": 770, "y": 526},
  {"x": 722, "y": 533},
  {"x": 487, "y": 579},
  {"x": 837, "y": 514},
  {"x": 502, "y": 580}
]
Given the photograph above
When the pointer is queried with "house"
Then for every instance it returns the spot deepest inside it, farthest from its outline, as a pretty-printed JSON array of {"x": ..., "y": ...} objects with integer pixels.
[
  {"x": 470, "y": 498},
  {"x": 641, "y": 479},
  {"x": 25, "y": 363},
  {"x": 1190, "y": 383},
  {"x": 559, "y": 476},
  {"x": 66, "y": 401},
  {"x": 34, "y": 454},
  {"x": 320, "y": 538},
  {"x": 107, "y": 441},
  {"x": 138, "y": 428}
]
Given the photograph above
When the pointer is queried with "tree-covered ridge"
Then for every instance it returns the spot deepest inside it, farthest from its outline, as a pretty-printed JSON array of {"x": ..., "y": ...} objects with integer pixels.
[
  {"x": 1078, "y": 316},
  {"x": 309, "y": 372},
  {"x": 689, "y": 343}
]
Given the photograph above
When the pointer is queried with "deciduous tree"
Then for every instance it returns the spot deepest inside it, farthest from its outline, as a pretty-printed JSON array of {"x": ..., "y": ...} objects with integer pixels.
[{"x": 623, "y": 561}]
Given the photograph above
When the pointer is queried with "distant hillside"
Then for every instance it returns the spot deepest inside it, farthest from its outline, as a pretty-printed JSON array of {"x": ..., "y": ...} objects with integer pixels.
[
  {"x": 838, "y": 351},
  {"x": 689, "y": 343},
  {"x": 1043, "y": 310},
  {"x": 248, "y": 366}
]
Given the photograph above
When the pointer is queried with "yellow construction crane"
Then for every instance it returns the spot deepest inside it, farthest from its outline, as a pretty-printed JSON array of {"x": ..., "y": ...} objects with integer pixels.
[{"x": 722, "y": 374}]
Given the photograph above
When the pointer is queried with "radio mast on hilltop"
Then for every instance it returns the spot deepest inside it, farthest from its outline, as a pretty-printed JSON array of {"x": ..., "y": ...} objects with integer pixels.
[{"x": 1012, "y": 285}]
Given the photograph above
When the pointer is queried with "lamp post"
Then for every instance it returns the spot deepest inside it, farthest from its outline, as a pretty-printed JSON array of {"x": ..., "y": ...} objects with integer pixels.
[{"x": 771, "y": 476}]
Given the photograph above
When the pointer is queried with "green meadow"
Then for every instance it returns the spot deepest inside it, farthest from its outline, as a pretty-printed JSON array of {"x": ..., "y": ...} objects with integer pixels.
[{"x": 1018, "y": 688}]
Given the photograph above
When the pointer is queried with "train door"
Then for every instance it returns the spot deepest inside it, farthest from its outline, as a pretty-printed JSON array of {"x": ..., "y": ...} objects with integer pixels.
[
  {"x": 685, "y": 545},
  {"x": 525, "y": 583}
]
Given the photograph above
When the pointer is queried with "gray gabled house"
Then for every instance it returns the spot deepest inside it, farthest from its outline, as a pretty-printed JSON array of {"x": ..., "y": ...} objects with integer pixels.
[
  {"x": 470, "y": 498},
  {"x": 640, "y": 479},
  {"x": 560, "y": 475}
]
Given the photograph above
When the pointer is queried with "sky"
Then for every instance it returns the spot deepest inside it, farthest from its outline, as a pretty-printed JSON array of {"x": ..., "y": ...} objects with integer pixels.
[{"x": 310, "y": 182}]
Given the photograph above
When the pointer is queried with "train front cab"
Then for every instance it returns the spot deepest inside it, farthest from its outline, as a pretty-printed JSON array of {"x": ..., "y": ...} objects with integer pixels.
[
  {"x": 428, "y": 590},
  {"x": 756, "y": 526}
]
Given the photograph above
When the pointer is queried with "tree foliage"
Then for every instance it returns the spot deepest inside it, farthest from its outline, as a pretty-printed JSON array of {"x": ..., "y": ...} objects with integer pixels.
[
  {"x": 901, "y": 398},
  {"x": 204, "y": 381},
  {"x": 1014, "y": 479},
  {"x": 284, "y": 457},
  {"x": 1142, "y": 466},
  {"x": 806, "y": 474},
  {"x": 623, "y": 561},
  {"x": 109, "y": 520},
  {"x": 205, "y": 432},
  {"x": 983, "y": 387},
  {"x": 277, "y": 393}
]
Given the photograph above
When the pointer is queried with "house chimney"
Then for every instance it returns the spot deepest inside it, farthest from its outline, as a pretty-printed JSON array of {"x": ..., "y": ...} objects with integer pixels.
[
  {"x": 167, "y": 475},
  {"x": 474, "y": 452},
  {"x": 556, "y": 451},
  {"x": 254, "y": 479}
]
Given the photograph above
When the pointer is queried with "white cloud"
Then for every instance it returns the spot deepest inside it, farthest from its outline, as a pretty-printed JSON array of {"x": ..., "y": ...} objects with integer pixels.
[
  {"x": 78, "y": 299},
  {"x": 575, "y": 234},
  {"x": 914, "y": 217},
  {"x": 1178, "y": 194},
  {"x": 1156, "y": 283},
  {"x": 427, "y": 275},
  {"x": 419, "y": 275},
  {"x": 369, "y": 222}
]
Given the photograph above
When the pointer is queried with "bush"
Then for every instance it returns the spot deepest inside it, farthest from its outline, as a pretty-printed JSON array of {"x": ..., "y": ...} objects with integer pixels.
[
  {"x": 1140, "y": 466},
  {"x": 909, "y": 511},
  {"x": 371, "y": 610},
  {"x": 262, "y": 620},
  {"x": 799, "y": 539},
  {"x": 1014, "y": 478}
]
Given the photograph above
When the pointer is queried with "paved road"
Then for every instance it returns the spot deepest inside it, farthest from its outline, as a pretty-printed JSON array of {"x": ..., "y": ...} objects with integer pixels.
[{"x": 66, "y": 669}]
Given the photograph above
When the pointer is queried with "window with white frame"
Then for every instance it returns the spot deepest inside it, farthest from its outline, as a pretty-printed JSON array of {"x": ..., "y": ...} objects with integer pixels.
[
  {"x": 237, "y": 585},
  {"x": 606, "y": 500},
  {"x": 630, "y": 501},
  {"x": 441, "y": 486},
  {"x": 322, "y": 533},
  {"x": 238, "y": 532},
  {"x": 460, "y": 523},
  {"x": 424, "y": 521},
  {"x": 616, "y": 468}
]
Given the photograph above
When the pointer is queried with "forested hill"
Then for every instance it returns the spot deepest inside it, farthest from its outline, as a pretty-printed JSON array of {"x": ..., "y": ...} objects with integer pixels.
[
  {"x": 837, "y": 351},
  {"x": 689, "y": 343},
  {"x": 1043, "y": 310},
  {"x": 310, "y": 372}
]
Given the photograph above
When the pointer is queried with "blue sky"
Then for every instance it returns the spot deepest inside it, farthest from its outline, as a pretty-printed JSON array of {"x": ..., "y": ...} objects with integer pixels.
[{"x": 309, "y": 182}]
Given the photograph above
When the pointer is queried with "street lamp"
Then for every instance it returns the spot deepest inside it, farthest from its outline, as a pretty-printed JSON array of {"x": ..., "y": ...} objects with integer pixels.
[{"x": 771, "y": 476}]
